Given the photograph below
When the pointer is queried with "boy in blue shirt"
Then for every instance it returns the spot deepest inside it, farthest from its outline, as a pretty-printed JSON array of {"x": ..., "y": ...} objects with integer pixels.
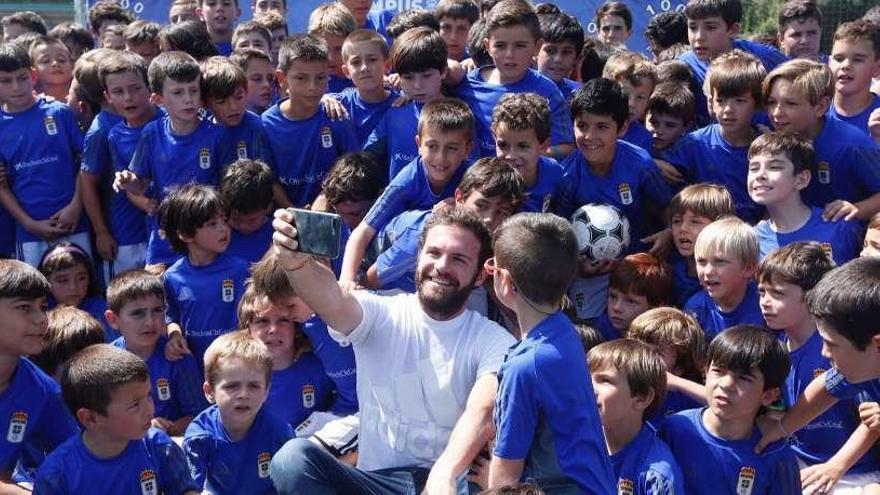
[
  {"x": 780, "y": 167},
  {"x": 202, "y": 289},
  {"x": 562, "y": 39},
  {"x": 220, "y": 17},
  {"x": 855, "y": 62},
  {"x": 246, "y": 189},
  {"x": 512, "y": 23},
  {"x": 800, "y": 30},
  {"x": 521, "y": 127},
  {"x": 108, "y": 390},
  {"x": 260, "y": 74},
  {"x": 136, "y": 309},
  {"x": 31, "y": 409},
  {"x": 546, "y": 418},
  {"x": 41, "y": 190},
  {"x": 179, "y": 148},
  {"x": 367, "y": 18},
  {"x": 715, "y": 445},
  {"x": 637, "y": 77},
  {"x": 784, "y": 277},
  {"x": 718, "y": 152},
  {"x": 847, "y": 181},
  {"x": 230, "y": 444},
  {"x": 629, "y": 378},
  {"x": 726, "y": 255},
  {"x": 332, "y": 22},
  {"x": 445, "y": 139},
  {"x": 300, "y": 164},
  {"x": 456, "y": 18},
  {"x": 638, "y": 283},
  {"x": 670, "y": 115}
]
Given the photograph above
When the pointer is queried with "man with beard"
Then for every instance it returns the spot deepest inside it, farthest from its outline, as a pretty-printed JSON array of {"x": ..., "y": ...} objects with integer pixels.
[{"x": 426, "y": 366}]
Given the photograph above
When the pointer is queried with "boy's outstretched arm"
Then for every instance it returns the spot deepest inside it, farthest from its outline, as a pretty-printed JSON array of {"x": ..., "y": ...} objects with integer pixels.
[
  {"x": 355, "y": 249},
  {"x": 823, "y": 477},
  {"x": 814, "y": 401}
]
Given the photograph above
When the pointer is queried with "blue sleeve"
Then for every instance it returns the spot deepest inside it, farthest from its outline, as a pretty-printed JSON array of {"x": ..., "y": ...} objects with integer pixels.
[
  {"x": 563, "y": 202},
  {"x": 397, "y": 198},
  {"x": 188, "y": 386},
  {"x": 517, "y": 412},
  {"x": 838, "y": 386},
  {"x": 787, "y": 479},
  {"x": 72, "y": 128},
  {"x": 198, "y": 450},
  {"x": 174, "y": 472},
  {"x": 864, "y": 161},
  {"x": 348, "y": 140},
  {"x": 50, "y": 483},
  {"x": 97, "y": 156},
  {"x": 401, "y": 258},
  {"x": 679, "y": 157},
  {"x": 654, "y": 186},
  {"x": 55, "y": 425},
  {"x": 140, "y": 160},
  {"x": 563, "y": 129},
  {"x": 377, "y": 141},
  {"x": 172, "y": 311}
]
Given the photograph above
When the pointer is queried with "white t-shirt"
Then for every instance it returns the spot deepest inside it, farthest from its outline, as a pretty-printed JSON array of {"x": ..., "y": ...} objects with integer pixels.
[{"x": 414, "y": 375}]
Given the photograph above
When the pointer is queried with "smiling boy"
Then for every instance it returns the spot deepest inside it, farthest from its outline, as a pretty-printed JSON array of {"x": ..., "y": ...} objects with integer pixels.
[{"x": 855, "y": 62}]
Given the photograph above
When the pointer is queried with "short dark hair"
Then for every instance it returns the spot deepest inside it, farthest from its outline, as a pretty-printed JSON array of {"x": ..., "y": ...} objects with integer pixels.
[
  {"x": 615, "y": 8},
  {"x": 562, "y": 28},
  {"x": 860, "y": 30},
  {"x": 798, "y": 10},
  {"x": 417, "y": 50},
  {"x": 355, "y": 176},
  {"x": 676, "y": 71},
  {"x": 408, "y": 19},
  {"x": 601, "y": 96},
  {"x": 639, "y": 362},
  {"x": 523, "y": 112},
  {"x": 177, "y": 66},
  {"x": 476, "y": 48},
  {"x": 252, "y": 27},
  {"x": 734, "y": 73},
  {"x": 511, "y": 13},
  {"x": 447, "y": 115},
  {"x": 796, "y": 148},
  {"x": 643, "y": 274},
  {"x": 672, "y": 99},
  {"x": 221, "y": 78},
  {"x": 246, "y": 186},
  {"x": 706, "y": 200},
  {"x": 364, "y": 36},
  {"x": 457, "y": 9},
  {"x": 32, "y": 21},
  {"x": 799, "y": 263},
  {"x": 20, "y": 280},
  {"x": 116, "y": 62},
  {"x": 743, "y": 348},
  {"x": 730, "y": 11},
  {"x": 132, "y": 285},
  {"x": 108, "y": 10},
  {"x": 302, "y": 47},
  {"x": 95, "y": 373},
  {"x": 139, "y": 32},
  {"x": 189, "y": 36},
  {"x": 847, "y": 299},
  {"x": 466, "y": 219},
  {"x": 72, "y": 33},
  {"x": 243, "y": 56},
  {"x": 540, "y": 252},
  {"x": 186, "y": 209},
  {"x": 70, "y": 330},
  {"x": 494, "y": 177},
  {"x": 13, "y": 57},
  {"x": 666, "y": 29}
]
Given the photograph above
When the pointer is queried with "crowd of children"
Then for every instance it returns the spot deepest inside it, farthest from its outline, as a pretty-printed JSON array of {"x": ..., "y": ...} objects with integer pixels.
[{"x": 153, "y": 338}]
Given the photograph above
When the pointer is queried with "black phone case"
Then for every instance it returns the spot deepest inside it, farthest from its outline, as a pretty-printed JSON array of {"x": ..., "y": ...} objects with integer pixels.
[{"x": 318, "y": 233}]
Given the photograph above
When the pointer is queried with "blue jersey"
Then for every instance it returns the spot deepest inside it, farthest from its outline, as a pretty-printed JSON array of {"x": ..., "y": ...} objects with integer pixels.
[
  {"x": 203, "y": 300},
  {"x": 549, "y": 184},
  {"x": 713, "y": 321},
  {"x": 96, "y": 306},
  {"x": 410, "y": 190},
  {"x": 398, "y": 245},
  {"x": 841, "y": 239},
  {"x": 96, "y": 156},
  {"x": 684, "y": 285},
  {"x": 859, "y": 120},
  {"x": 41, "y": 148},
  {"x": 7, "y": 234},
  {"x": 247, "y": 139},
  {"x": 224, "y": 48},
  {"x": 339, "y": 365},
  {"x": 394, "y": 138},
  {"x": 483, "y": 96},
  {"x": 603, "y": 325},
  {"x": 299, "y": 390},
  {"x": 337, "y": 83},
  {"x": 822, "y": 437},
  {"x": 151, "y": 465},
  {"x": 253, "y": 246},
  {"x": 301, "y": 163},
  {"x": 847, "y": 165},
  {"x": 840, "y": 388},
  {"x": 377, "y": 20},
  {"x": 646, "y": 467},
  {"x": 567, "y": 87},
  {"x": 638, "y": 135},
  {"x": 705, "y": 156},
  {"x": 674, "y": 402},
  {"x": 716, "y": 466},
  {"x": 633, "y": 174},
  {"x": 222, "y": 466},
  {"x": 32, "y": 413},
  {"x": 364, "y": 115},
  {"x": 176, "y": 385},
  {"x": 545, "y": 409}
]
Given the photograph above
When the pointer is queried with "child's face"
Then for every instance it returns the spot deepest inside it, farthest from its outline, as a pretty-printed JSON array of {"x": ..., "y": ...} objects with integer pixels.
[
  {"x": 306, "y": 81},
  {"x": 722, "y": 275},
  {"x": 736, "y": 396},
  {"x": 685, "y": 229},
  {"x": 261, "y": 76},
  {"x": 182, "y": 13},
  {"x": 273, "y": 325},
  {"x": 614, "y": 398},
  {"x": 771, "y": 179},
  {"x": 623, "y": 307},
  {"x": 52, "y": 63},
  {"x": 782, "y": 304},
  {"x": 871, "y": 247},
  {"x": 129, "y": 412},
  {"x": 248, "y": 223},
  {"x": 219, "y": 15},
  {"x": 141, "y": 322},
  {"x": 148, "y": 50},
  {"x": 334, "y": 50},
  {"x": 557, "y": 60},
  {"x": 253, "y": 40},
  {"x": 734, "y": 113},
  {"x": 23, "y": 325},
  {"x": 128, "y": 94},
  {"x": 70, "y": 286},
  {"x": 359, "y": 9},
  {"x": 613, "y": 30},
  {"x": 491, "y": 210},
  {"x": 523, "y": 147},
  {"x": 454, "y": 32},
  {"x": 711, "y": 36},
  {"x": 353, "y": 211},
  {"x": 638, "y": 95},
  {"x": 17, "y": 89},
  {"x": 365, "y": 66},
  {"x": 665, "y": 129},
  {"x": 423, "y": 86},
  {"x": 854, "y": 65},
  {"x": 442, "y": 153},
  {"x": 512, "y": 50},
  {"x": 264, "y": 6},
  {"x": 789, "y": 110},
  {"x": 800, "y": 39},
  {"x": 855, "y": 365},
  {"x": 278, "y": 36},
  {"x": 239, "y": 390},
  {"x": 596, "y": 137},
  {"x": 181, "y": 99},
  {"x": 229, "y": 110},
  {"x": 112, "y": 41},
  {"x": 212, "y": 237}
]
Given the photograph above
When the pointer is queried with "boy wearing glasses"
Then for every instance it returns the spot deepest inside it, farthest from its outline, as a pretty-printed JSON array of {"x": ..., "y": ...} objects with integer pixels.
[{"x": 546, "y": 418}]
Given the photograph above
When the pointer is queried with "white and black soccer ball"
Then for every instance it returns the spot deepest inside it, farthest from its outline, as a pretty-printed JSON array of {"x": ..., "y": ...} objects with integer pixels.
[{"x": 602, "y": 231}]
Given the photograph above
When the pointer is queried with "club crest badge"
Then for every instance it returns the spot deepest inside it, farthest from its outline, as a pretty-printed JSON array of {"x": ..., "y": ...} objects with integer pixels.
[
  {"x": 228, "y": 290},
  {"x": 625, "y": 487},
  {"x": 51, "y": 126},
  {"x": 823, "y": 171},
  {"x": 626, "y": 196},
  {"x": 326, "y": 137},
  {"x": 204, "y": 158},
  {"x": 17, "y": 427},
  {"x": 263, "y": 460},
  {"x": 163, "y": 389},
  {"x": 746, "y": 482},
  {"x": 241, "y": 150},
  {"x": 148, "y": 482},
  {"x": 308, "y": 396}
]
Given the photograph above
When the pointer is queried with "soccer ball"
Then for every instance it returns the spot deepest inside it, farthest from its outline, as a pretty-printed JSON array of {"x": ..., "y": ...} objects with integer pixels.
[{"x": 602, "y": 231}]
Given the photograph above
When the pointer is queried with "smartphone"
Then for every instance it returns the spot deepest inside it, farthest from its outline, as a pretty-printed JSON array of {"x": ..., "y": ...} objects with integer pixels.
[{"x": 317, "y": 233}]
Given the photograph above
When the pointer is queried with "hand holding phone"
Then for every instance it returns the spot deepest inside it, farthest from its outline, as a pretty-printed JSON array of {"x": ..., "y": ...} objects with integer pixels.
[{"x": 318, "y": 233}]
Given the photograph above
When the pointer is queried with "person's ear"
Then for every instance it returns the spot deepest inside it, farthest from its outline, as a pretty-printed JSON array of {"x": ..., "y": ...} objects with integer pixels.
[
  {"x": 208, "y": 390},
  {"x": 112, "y": 319},
  {"x": 622, "y": 130},
  {"x": 538, "y": 43},
  {"x": 769, "y": 396},
  {"x": 822, "y": 106},
  {"x": 802, "y": 179},
  {"x": 86, "y": 417},
  {"x": 486, "y": 44},
  {"x": 281, "y": 77},
  {"x": 749, "y": 270},
  {"x": 459, "y": 197},
  {"x": 418, "y": 141},
  {"x": 642, "y": 402},
  {"x": 155, "y": 99},
  {"x": 345, "y": 71},
  {"x": 733, "y": 29},
  {"x": 875, "y": 343}
]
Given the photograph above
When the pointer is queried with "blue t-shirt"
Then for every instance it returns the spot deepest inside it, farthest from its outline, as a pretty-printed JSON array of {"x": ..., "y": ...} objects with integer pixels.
[
  {"x": 32, "y": 413},
  {"x": 398, "y": 245},
  {"x": 176, "y": 385},
  {"x": 7, "y": 234},
  {"x": 338, "y": 361},
  {"x": 684, "y": 285},
  {"x": 638, "y": 135},
  {"x": 847, "y": 165},
  {"x": 633, "y": 174},
  {"x": 483, "y": 96},
  {"x": 714, "y": 321},
  {"x": 253, "y": 246},
  {"x": 716, "y": 466},
  {"x": 567, "y": 87},
  {"x": 41, "y": 149},
  {"x": 822, "y": 437},
  {"x": 394, "y": 138},
  {"x": 338, "y": 83},
  {"x": 675, "y": 402},
  {"x": 365, "y": 116},
  {"x": 377, "y": 20},
  {"x": 247, "y": 139},
  {"x": 841, "y": 239},
  {"x": 299, "y": 390},
  {"x": 859, "y": 120},
  {"x": 549, "y": 184},
  {"x": 151, "y": 465},
  {"x": 705, "y": 156},
  {"x": 603, "y": 325},
  {"x": 303, "y": 151},
  {"x": 96, "y": 156},
  {"x": 646, "y": 466},
  {"x": 224, "y": 48},
  {"x": 219, "y": 465},
  {"x": 96, "y": 306},
  {"x": 546, "y": 413},
  {"x": 203, "y": 300}
]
